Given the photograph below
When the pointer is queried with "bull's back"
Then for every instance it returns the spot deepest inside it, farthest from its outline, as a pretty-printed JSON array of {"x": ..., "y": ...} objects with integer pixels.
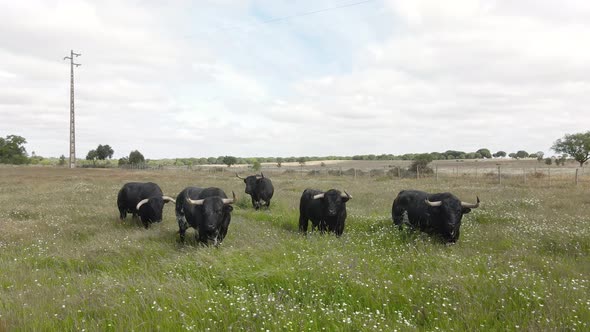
[
  {"x": 266, "y": 189},
  {"x": 133, "y": 192},
  {"x": 308, "y": 206},
  {"x": 181, "y": 204}
]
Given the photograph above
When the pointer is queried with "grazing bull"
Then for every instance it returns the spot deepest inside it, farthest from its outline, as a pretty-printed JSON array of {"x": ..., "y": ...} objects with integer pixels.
[
  {"x": 435, "y": 214},
  {"x": 143, "y": 199},
  {"x": 259, "y": 188},
  {"x": 206, "y": 210},
  {"x": 326, "y": 210}
]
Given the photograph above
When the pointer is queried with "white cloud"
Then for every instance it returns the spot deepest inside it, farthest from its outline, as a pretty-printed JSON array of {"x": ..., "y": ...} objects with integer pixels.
[{"x": 181, "y": 80}]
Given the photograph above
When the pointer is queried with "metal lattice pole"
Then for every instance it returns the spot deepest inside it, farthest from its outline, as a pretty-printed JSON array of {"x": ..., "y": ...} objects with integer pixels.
[{"x": 72, "y": 118}]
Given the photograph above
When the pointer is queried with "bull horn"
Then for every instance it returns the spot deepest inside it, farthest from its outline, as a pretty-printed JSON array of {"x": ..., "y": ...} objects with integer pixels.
[
  {"x": 168, "y": 199},
  {"x": 239, "y": 177},
  {"x": 195, "y": 201},
  {"x": 261, "y": 175},
  {"x": 470, "y": 205},
  {"x": 142, "y": 202},
  {"x": 346, "y": 195},
  {"x": 318, "y": 196},
  {"x": 433, "y": 204},
  {"x": 229, "y": 200}
]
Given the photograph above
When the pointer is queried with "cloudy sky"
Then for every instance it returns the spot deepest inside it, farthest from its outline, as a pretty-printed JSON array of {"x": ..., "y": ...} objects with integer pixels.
[{"x": 293, "y": 78}]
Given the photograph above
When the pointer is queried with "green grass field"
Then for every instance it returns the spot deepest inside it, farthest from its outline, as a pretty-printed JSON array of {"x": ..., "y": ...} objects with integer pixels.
[{"x": 68, "y": 263}]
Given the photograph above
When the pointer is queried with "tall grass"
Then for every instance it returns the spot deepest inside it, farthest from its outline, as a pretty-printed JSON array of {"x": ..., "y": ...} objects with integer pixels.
[{"x": 68, "y": 263}]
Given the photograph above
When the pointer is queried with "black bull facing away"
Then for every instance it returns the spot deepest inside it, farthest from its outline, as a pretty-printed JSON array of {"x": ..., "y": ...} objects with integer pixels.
[{"x": 437, "y": 214}]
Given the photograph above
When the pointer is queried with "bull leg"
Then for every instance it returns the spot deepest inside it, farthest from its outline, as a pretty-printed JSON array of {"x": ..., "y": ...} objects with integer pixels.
[
  {"x": 255, "y": 203},
  {"x": 146, "y": 223},
  {"x": 223, "y": 229},
  {"x": 303, "y": 223},
  {"x": 182, "y": 226},
  {"x": 122, "y": 213},
  {"x": 397, "y": 214},
  {"x": 201, "y": 237}
]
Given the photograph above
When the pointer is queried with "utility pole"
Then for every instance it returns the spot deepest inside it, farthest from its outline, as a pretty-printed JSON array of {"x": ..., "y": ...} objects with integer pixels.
[{"x": 72, "y": 124}]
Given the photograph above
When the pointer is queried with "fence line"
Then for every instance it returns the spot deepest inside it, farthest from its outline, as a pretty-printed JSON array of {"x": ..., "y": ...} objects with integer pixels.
[{"x": 494, "y": 174}]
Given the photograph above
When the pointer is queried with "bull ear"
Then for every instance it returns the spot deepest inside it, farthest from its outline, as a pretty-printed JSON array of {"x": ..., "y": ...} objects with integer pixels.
[
  {"x": 142, "y": 202},
  {"x": 318, "y": 196},
  {"x": 168, "y": 199},
  {"x": 465, "y": 210}
]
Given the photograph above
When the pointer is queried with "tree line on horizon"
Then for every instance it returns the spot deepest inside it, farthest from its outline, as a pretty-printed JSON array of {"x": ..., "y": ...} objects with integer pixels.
[{"x": 575, "y": 146}]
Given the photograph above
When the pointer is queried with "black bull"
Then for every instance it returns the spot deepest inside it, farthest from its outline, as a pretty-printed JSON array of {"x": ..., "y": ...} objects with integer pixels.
[
  {"x": 260, "y": 188},
  {"x": 326, "y": 210},
  {"x": 435, "y": 214},
  {"x": 206, "y": 210},
  {"x": 143, "y": 199}
]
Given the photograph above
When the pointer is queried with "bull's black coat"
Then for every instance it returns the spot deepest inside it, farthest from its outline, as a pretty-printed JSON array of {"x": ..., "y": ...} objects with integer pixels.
[
  {"x": 133, "y": 192},
  {"x": 326, "y": 214},
  {"x": 443, "y": 221},
  {"x": 260, "y": 189},
  {"x": 211, "y": 219}
]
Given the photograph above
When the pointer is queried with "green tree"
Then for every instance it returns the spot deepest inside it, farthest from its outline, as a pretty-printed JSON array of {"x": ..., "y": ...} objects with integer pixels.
[
  {"x": 540, "y": 155},
  {"x": 521, "y": 154},
  {"x": 548, "y": 161},
  {"x": 62, "y": 160},
  {"x": 279, "y": 161},
  {"x": 499, "y": 154},
  {"x": 421, "y": 162},
  {"x": 12, "y": 150},
  {"x": 301, "y": 161},
  {"x": 256, "y": 166},
  {"x": 92, "y": 155},
  {"x": 230, "y": 160},
  {"x": 575, "y": 145},
  {"x": 135, "y": 157},
  {"x": 513, "y": 155},
  {"x": 104, "y": 151},
  {"x": 123, "y": 161},
  {"x": 484, "y": 153}
]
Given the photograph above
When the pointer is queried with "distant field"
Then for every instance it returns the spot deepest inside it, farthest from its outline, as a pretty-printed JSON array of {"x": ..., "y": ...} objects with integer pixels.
[{"x": 68, "y": 263}]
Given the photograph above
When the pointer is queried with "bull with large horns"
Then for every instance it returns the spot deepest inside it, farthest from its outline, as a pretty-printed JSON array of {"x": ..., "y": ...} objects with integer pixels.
[
  {"x": 206, "y": 210},
  {"x": 437, "y": 214},
  {"x": 143, "y": 199},
  {"x": 326, "y": 210}
]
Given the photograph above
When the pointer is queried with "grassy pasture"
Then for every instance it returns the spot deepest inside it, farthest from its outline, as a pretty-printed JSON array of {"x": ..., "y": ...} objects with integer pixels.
[{"x": 68, "y": 263}]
